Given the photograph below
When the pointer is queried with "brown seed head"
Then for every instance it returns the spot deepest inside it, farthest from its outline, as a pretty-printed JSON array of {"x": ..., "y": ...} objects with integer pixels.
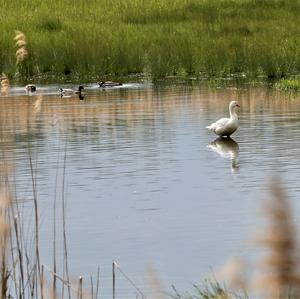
[
  {"x": 19, "y": 36},
  {"x": 21, "y": 52},
  {"x": 4, "y": 85}
]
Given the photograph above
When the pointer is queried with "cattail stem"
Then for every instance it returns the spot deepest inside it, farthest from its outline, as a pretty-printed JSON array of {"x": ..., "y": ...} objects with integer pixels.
[
  {"x": 42, "y": 282},
  {"x": 20, "y": 254},
  {"x": 98, "y": 282},
  {"x": 114, "y": 279},
  {"x": 80, "y": 287}
]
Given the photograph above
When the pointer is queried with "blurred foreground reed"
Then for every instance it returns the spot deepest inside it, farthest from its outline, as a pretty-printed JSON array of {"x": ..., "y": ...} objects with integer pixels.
[{"x": 276, "y": 275}]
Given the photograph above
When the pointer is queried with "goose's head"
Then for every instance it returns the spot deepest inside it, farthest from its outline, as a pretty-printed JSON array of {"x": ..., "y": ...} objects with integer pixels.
[
  {"x": 80, "y": 88},
  {"x": 233, "y": 104},
  {"x": 232, "y": 107}
]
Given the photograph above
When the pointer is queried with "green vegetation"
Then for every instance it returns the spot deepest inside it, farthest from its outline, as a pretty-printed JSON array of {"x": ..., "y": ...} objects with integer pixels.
[
  {"x": 159, "y": 37},
  {"x": 289, "y": 84},
  {"x": 210, "y": 289}
]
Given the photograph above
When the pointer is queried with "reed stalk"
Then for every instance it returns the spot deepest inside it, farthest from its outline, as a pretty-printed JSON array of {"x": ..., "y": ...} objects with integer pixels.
[
  {"x": 66, "y": 267},
  {"x": 80, "y": 283}
]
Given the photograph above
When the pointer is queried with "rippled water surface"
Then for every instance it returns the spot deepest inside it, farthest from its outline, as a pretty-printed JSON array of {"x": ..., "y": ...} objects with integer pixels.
[{"x": 145, "y": 183}]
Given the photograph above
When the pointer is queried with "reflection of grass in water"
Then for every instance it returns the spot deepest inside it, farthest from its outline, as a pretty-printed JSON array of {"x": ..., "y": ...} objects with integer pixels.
[
  {"x": 279, "y": 267},
  {"x": 163, "y": 37}
]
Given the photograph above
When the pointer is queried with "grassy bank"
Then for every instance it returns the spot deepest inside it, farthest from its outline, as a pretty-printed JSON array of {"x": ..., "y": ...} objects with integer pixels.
[
  {"x": 291, "y": 84},
  {"x": 159, "y": 37}
]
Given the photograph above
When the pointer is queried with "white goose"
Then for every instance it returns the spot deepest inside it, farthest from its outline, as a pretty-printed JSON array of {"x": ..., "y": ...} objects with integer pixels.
[{"x": 226, "y": 126}]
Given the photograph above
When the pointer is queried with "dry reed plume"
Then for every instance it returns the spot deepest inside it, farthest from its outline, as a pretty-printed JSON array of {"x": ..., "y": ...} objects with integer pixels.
[
  {"x": 234, "y": 273},
  {"x": 4, "y": 85},
  {"x": 154, "y": 283},
  {"x": 21, "y": 53},
  {"x": 280, "y": 276}
]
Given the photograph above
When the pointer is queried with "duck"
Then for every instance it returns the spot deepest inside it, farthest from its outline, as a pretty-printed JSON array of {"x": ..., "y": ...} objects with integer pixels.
[
  {"x": 30, "y": 88},
  {"x": 108, "y": 84},
  {"x": 224, "y": 127},
  {"x": 69, "y": 92}
]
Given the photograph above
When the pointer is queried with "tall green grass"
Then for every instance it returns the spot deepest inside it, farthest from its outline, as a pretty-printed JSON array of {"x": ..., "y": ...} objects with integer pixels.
[
  {"x": 291, "y": 84},
  {"x": 159, "y": 37}
]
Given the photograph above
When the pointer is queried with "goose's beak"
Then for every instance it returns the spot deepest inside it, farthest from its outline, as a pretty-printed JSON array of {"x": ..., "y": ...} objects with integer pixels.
[{"x": 238, "y": 105}]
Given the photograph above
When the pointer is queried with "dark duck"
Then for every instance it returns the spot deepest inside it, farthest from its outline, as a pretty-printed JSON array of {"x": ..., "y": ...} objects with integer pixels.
[{"x": 108, "y": 84}]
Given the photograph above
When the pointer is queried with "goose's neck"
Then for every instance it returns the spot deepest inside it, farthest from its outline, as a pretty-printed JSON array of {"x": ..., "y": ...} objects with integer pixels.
[{"x": 232, "y": 113}]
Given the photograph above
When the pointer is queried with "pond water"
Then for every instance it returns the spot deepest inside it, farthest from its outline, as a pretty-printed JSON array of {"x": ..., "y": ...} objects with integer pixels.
[{"x": 145, "y": 183}]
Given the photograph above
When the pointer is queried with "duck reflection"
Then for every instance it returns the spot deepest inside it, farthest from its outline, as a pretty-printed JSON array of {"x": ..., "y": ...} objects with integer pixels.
[
  {"x": 81, "y": 96},
  {"x": 228, "y": 149}
]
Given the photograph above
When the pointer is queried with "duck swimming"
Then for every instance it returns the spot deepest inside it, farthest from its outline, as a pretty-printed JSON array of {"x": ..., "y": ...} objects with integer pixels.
[
  {"x": 30, "y": 87},
  {"x": 226, "y": 126},
  {"x": 69, "y": 92},
  {"x": 109, "y": 84}
]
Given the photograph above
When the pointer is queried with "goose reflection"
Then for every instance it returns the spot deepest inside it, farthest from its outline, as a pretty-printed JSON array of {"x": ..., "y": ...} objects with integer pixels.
[{"x": 227, "y": 148}]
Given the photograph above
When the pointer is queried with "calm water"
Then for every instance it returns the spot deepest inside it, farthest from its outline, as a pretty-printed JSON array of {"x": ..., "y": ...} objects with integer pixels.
[{"x": 146, "y": 184}]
